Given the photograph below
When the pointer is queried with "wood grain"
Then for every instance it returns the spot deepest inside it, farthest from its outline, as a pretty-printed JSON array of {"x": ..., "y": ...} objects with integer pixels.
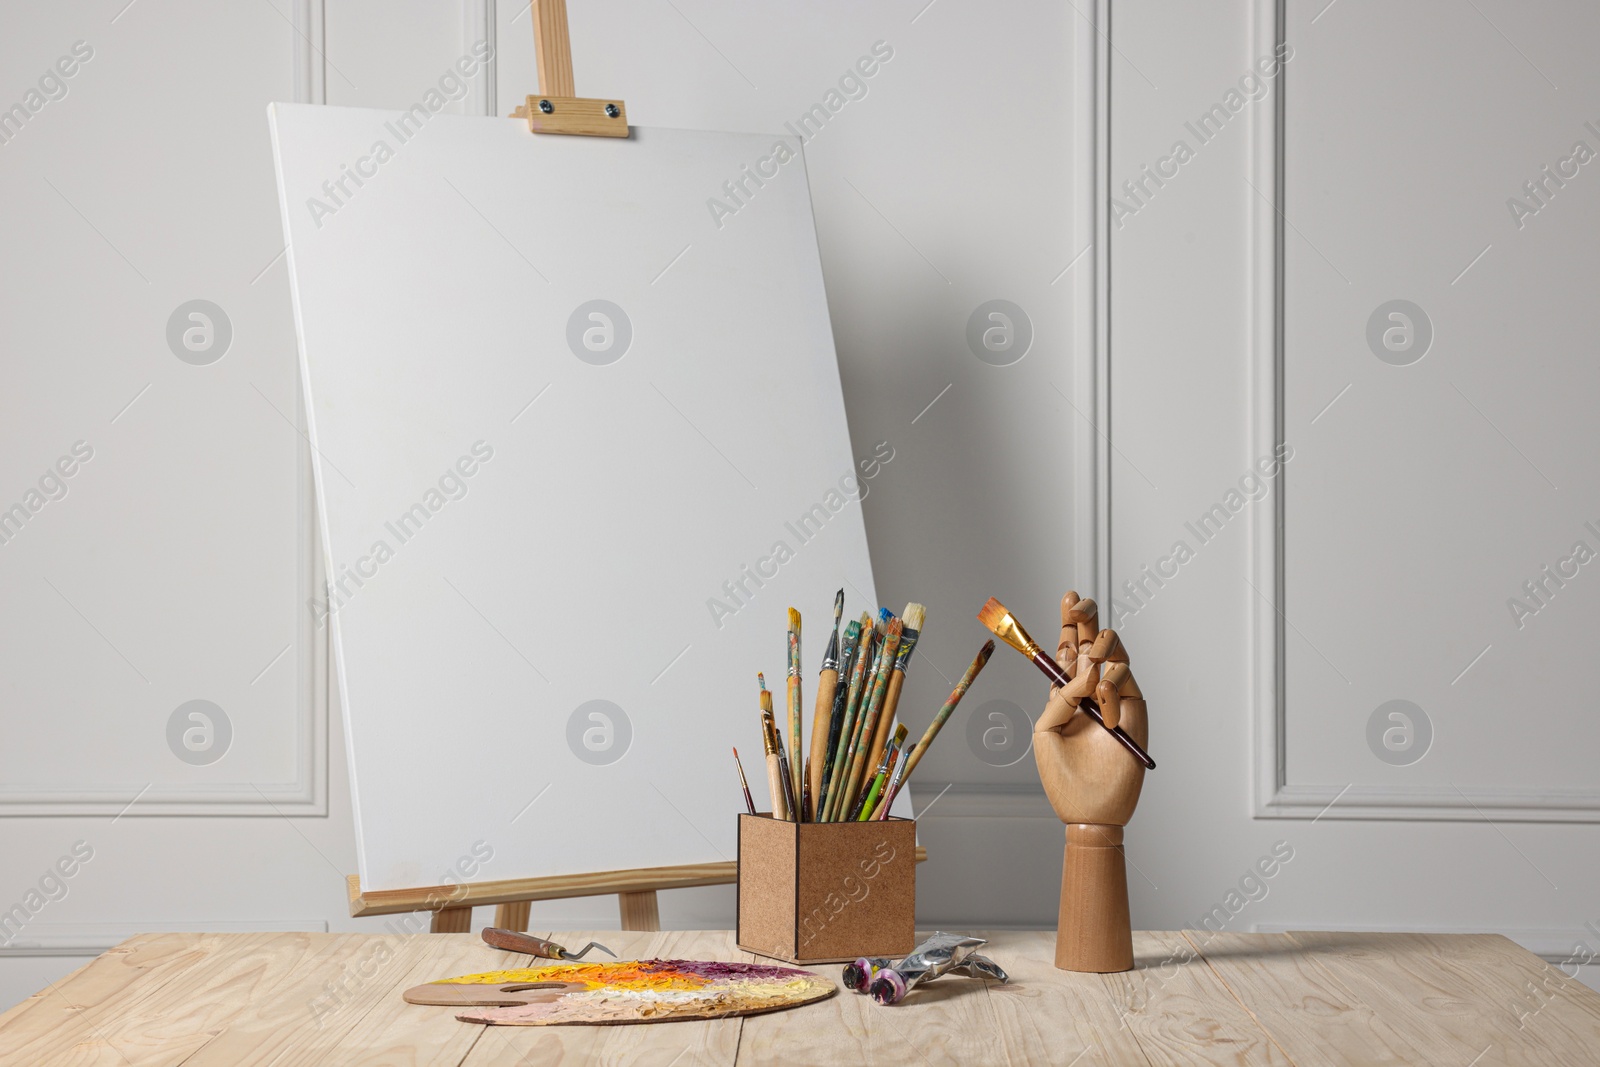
[
  {"x": 1046, "y": 1015},
  {"x": 513, "y": 915},
  {"x": 557, "y": 887},
  {"x": 289, "y": 999},
  {"x": 1171, "y": 1003},
  {"x": 1299, "y": 1004},
  {"x": 576, "y": 115},
  {"x": 1476, "y": 998},
  {"x": 639, "y": 911},
  {"x": 553, "y": 48},
  {"x": 452, "y": 921}
]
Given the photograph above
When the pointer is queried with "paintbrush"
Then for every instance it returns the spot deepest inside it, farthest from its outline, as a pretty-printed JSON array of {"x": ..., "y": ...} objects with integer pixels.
[
  {"x": 769, "y": 744},
  {"x": 868, "y": 723},
  {"x": 789, "y": 798},
  {"x": 749, "y": 801},
  {"x": 860, "y": 693},
  {"x": 793, "y": 764},
  {"x": 841, "y": 698},
  {"x": 886, "y": 798},
  {"x": 852, "y": 707},
  {"x": 791, "y": 802},
  {"x": 911, "y": 628},
  {"x": 827, "y": 684},
  {"x": 938, "y": 722},
  {"x": 863, "y": 810},
  {"x": 805, "y": 793},
  {"x": 1006, "y": 627}
]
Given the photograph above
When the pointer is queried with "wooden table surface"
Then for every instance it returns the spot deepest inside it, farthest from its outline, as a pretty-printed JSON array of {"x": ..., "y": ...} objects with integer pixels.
[{"x": 232, "y": 1000}]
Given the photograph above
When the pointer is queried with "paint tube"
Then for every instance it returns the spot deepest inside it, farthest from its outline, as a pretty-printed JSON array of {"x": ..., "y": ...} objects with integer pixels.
[
  {"x": 859, "y": 975},
  {"x": 940, "y": 954}
]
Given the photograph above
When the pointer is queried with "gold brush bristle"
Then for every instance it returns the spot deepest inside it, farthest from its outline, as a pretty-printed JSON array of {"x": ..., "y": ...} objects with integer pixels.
[
  {"x": 1005, "y": 626},
  {"x": 766, "y": 694},
  {"x": 914, "y": 615},
  {"x": 794, "y": 620}
]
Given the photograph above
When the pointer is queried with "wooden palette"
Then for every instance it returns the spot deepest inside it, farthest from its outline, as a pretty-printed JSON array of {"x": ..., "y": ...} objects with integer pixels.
[{"x": 628, "y": 991}]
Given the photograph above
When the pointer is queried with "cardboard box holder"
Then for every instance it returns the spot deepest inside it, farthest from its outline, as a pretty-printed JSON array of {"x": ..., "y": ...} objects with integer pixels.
[{"x": 826, "y": 892}]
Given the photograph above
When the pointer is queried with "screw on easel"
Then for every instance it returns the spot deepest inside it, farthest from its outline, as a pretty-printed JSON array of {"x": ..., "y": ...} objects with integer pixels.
[
  {"x": 611, "y": 111},
  {"x": 546, "y": 106}
]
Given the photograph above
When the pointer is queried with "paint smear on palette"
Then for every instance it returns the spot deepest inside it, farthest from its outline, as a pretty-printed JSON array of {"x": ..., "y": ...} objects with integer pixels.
[{"x": 651, "y": 991}]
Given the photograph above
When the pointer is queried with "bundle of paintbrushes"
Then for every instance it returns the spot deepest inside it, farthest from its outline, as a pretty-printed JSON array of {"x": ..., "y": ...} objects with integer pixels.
[{"x": 858, "y": 760}]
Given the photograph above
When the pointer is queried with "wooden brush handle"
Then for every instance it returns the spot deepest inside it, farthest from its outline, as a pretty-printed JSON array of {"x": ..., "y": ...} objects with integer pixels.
[
  {"x": 827, "y": 683},
  {"x": 880, "y": 736},
  {"x": 515, "y": 941},
  {"x": 780, "y": 809},
  {"x": 1090, "y": 708}
]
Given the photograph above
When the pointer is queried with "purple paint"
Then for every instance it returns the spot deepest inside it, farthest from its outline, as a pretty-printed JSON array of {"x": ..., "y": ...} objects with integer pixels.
[{"x": 716, "y": 970}]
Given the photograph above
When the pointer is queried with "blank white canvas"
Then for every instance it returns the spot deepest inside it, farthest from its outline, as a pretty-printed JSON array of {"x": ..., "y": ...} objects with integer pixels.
[{"x": 611, "y": 507}]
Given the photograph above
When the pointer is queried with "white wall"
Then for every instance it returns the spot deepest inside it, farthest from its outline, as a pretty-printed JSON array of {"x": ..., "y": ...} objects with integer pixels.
[
  {"x": 1379, "y": 603},
  {"x": 964, "y": 175}
]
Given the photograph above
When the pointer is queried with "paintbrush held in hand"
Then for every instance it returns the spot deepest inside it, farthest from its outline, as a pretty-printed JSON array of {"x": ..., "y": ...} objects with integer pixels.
[{"x": 1006, "y": 627}]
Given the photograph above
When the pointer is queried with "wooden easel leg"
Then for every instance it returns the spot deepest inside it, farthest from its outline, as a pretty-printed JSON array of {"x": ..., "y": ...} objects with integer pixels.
[
  {"x": 513, "y": 916},
  {"x": 640, "y": 910},
  {"x": 452, "y": 921}
]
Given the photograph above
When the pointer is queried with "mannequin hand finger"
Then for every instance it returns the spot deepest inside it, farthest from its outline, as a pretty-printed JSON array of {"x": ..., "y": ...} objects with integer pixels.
[
  {"x": 1107, "y": 647},
  {"x": 1086, "y": 616},
  {"x": 1057, "y": 712},
  {"x": 1084, "y": 679},
  {"x": 1067, "y": 646},
  {"x": 1110, "y": 703}
]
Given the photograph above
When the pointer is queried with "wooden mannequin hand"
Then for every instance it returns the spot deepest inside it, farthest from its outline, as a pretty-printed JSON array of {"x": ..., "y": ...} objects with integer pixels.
[{"x": 1087, "y": 774}]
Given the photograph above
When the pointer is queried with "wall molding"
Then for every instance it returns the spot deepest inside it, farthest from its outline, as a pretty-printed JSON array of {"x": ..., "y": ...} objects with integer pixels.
[
  {"x": 479, "y": 22},
  {"x": 306, "y": 792},
  {"x": 1275, "y": 796},
  {"x": 981, "y": 800},
  {"x": 1091, "y": 301}
]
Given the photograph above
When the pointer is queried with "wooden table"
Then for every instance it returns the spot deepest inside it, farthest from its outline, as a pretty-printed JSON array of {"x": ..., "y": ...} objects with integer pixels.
[{"x": 232, "y": 1000}]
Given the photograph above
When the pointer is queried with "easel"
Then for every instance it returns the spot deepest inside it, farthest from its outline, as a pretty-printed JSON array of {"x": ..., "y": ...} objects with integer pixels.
[{"x": 555, "y": 110}]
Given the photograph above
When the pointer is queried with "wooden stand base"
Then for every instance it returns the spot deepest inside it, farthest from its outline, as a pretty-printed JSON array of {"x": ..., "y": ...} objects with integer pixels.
[{"x": 1094, "y": 932}]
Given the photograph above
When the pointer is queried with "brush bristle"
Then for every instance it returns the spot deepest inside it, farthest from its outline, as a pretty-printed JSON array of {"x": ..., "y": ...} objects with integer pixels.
[
  {"x": 899, "y": 735},
  {"x": 993, "y": 614},
  {"x": 838, "y": 606},
  {"x": 914, "y": 615},
  {"x": 766, "y": 700},
  {"x": 895, "y": 628},
  {"x": 794, "y": 620}
]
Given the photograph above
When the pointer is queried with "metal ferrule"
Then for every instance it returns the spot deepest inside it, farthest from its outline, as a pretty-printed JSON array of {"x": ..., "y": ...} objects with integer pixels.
[
  {"x": 1011, "y": 632},
  {"x": 908, "y": 641},
  {"x": 769, "y": 733},
  {"x": 830, "y": 658}
]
